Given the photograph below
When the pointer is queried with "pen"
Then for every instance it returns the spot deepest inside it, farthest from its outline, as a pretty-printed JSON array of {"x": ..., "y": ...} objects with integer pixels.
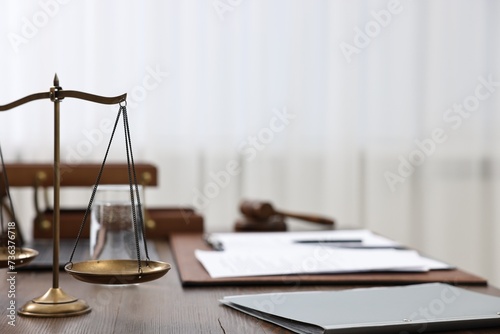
[
  {"x": 336, "y": 241},
  {"x": 345, "y": 243},
  {"x": 214, "y": 244},
  {"x": 375, "y": 247}
]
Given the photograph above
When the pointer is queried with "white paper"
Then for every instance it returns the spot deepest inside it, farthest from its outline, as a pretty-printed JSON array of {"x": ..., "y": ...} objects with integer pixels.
[
  {"x": 232, "y": 241},
  {"x": 307, "y": 260},
  {"x": 279, "y": 253}
]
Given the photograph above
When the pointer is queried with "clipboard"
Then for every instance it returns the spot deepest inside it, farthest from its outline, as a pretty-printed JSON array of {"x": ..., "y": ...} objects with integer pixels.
[
  {"x": 192, "y": 273},
  {"x": 402, "y": 309}
]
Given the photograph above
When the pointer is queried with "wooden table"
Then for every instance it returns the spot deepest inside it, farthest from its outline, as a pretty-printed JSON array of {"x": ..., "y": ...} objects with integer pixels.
[{"x": 161, "y": 306}]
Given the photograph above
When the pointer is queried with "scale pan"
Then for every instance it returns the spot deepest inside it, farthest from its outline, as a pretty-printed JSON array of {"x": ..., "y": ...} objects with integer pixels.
[
  {"x": 117, "y": 271},
  {"x": 22, "y": 256}
]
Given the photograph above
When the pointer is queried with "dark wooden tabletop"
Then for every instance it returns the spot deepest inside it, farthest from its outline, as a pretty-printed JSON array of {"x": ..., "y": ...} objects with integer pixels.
[{"x": 161, "y": 306}]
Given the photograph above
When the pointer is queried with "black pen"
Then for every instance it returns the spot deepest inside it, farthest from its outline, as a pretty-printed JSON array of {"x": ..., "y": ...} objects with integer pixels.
[
  {"x": 214, "y": 244},
  {"x": 326, "y": 241},
  {"x": 353, "y": 244}
]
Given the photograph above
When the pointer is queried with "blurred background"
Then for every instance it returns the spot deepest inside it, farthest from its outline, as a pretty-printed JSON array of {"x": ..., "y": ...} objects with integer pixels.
[{"x": 380, "y": 114}]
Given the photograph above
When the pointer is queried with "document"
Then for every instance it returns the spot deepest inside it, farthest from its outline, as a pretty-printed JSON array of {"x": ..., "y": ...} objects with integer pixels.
[
  {"x": 307, "y": 260},
  {"x": 418, "y": 308},
  {"x": 334, "y": 238},
  {"x": 295, "y": 253}
]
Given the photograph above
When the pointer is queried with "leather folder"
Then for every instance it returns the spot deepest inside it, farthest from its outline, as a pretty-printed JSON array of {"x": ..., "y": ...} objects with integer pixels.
[{"x": 192, "y": 272}]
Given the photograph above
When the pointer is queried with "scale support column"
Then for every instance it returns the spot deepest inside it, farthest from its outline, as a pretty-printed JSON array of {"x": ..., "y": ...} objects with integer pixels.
[{"x": 55, "y": 302}]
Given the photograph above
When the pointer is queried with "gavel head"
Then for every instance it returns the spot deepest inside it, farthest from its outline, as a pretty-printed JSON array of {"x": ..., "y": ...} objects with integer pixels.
[
  {"x": 272, "y": 224},
  {"x": 257, "y": 209}
]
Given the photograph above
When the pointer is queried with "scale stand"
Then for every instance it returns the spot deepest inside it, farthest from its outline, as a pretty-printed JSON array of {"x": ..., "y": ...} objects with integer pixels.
[{"x": 55, "y": 302}]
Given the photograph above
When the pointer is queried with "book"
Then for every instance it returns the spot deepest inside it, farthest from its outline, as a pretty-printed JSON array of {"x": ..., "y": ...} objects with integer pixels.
[{"x": 413, "y": 308}]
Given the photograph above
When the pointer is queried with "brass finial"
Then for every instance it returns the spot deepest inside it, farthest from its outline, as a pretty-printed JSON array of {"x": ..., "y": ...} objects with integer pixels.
[{"x": 56, "y": 81}]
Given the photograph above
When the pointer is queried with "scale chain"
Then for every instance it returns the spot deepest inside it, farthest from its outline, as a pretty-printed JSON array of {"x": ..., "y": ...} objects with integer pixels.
[
  {"x": 132, "y": 181},
  {"x": 139, "y": 205},
  {"x": 94, "y": 190}
]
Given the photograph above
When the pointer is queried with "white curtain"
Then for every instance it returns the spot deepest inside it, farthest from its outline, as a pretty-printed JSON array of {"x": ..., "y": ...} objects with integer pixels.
[{"x": 381, "y": 114}]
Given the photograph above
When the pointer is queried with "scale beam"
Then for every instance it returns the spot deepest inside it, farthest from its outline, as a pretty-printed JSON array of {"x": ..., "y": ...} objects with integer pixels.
[
  {"x": 91, "y": 97},
  {"x": 26, "y": 99},
  {"x": 61, "y": 94}
]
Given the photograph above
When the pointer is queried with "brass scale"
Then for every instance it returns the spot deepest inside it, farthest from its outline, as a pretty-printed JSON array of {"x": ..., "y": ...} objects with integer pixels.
[{"x": 55, "y": 302}]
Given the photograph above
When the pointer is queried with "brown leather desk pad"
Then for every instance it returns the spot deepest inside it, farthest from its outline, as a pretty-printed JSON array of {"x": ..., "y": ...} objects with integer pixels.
[{"x": 192, "y": 273}]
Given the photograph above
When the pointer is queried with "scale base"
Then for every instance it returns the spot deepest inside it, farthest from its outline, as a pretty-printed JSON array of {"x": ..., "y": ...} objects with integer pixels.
[{"x": 55, "y": 303}]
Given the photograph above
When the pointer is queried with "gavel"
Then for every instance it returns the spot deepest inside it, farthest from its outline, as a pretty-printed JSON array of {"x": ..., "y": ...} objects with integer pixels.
[{"x": 262, "y": 216}]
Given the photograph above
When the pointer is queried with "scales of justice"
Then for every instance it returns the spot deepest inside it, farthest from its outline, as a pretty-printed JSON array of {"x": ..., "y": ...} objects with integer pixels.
[{"x": 55, "y": 302}]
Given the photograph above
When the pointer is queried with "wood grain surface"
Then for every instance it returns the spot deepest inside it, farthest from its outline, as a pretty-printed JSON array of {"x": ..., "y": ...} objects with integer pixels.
[{"x": 161, "y": 306}]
